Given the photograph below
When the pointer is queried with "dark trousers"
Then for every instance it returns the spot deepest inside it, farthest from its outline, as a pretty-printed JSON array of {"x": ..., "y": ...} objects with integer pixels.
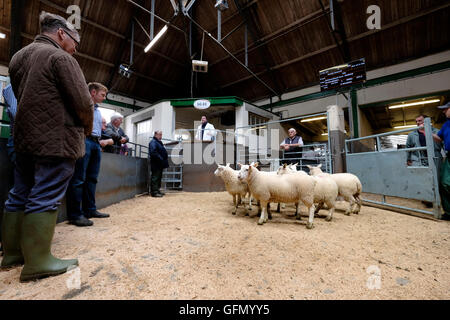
[
  {"x": 444, "y": 185},
  {"x": 155, "y": 182},
  {"x": 290, "y": 158},
  {"x": 10, "y": 150},
  {"x": 39, "y": 183},
  {"x": 81, "y": 192}
]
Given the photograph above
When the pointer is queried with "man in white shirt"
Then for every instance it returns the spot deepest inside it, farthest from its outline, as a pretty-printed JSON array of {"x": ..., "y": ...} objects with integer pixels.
[{"x": 205, "y": 131}]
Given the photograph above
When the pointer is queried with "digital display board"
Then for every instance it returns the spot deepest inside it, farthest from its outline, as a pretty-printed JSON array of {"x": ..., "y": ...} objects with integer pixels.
[{"x": 343, "y": 76}]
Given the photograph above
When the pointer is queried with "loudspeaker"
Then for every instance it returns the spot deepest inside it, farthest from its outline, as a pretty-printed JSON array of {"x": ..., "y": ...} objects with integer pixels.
[{"x": 199, "y": 66}]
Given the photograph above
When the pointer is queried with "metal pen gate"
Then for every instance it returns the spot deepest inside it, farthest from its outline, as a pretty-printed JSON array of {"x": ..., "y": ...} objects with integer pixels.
[
  {"x": 257, "y": 146},
  {"x": 385, "y": 173}
]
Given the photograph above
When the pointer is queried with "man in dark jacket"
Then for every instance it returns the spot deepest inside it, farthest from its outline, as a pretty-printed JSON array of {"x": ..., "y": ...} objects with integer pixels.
[
  {"x": 158, "y": 162},
  {"x": 54, "y": 113},
  {"x": 114, "y": 130}
]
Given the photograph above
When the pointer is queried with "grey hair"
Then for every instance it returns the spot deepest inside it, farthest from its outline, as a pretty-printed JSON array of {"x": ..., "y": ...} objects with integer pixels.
[
  {"x": 157, "y": 131},
  {"x": 50, "y": 22},
  {"x": 116, "y": 116},
  {"x": 292, "y": 129}
]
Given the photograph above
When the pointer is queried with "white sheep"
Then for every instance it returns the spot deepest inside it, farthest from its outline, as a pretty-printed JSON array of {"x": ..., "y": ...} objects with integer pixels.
[
  {"x": 325, "y": 190},
  {"x": 244, "y": 167},
  {"x": 238, "y": 189},
  {"x": 267, "y": 187},
  {"x": 349, "y": 187}
]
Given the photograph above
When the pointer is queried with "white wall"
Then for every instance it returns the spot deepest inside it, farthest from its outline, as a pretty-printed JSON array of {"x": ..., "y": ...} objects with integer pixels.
[
  {"x": 163, "y": 119},
  {"x": 435, "y": 82}
]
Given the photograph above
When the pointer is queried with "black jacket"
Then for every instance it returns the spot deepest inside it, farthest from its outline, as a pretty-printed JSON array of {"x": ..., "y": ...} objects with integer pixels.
[
  {"x": 158, "y": 155},
  {"x": 116, "y": 136}
]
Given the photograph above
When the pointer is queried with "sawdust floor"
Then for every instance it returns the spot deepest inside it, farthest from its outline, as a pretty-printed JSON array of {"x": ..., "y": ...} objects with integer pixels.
[{"x": 190, "y": 246}]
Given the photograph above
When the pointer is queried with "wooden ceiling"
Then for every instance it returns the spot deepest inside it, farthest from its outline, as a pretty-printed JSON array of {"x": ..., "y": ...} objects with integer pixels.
[{"x": 289, "y": 41}]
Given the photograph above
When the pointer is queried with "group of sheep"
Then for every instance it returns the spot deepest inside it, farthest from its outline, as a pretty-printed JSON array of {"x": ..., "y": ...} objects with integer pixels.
[{"x": 287, "y": 185}]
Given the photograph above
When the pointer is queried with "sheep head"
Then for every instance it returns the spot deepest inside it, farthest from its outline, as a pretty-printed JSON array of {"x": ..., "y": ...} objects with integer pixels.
[
  {"x": 314, "y": 171},
  {"x": 219, "y": 170},
  {"x": 243, "y": 173}
]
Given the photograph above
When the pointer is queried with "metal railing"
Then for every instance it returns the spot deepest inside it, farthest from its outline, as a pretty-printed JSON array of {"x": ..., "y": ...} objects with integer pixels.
[{"x": 385, "y": 172}]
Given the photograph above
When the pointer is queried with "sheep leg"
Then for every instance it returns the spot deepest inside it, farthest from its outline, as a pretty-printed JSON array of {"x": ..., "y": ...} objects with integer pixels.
[
  {"x": 311, "y": 209},
  {"x": 297, "y": 212},
  {"x": 246, "y": 206},
  {"x": 269, "y": 212},
  {"x": 234, "y": 204},
  {"x": 239, "y": 199},
  {"x": 358, "y": 203},
  {"x": 263, "y": 219},
  {"x": 351, "y": 201},
  {"x": 320, "y": 206},
  {"x": 278, "y": 207},
  {"x": 330, "y": 211},
  {"x": 250, "y": 202}
]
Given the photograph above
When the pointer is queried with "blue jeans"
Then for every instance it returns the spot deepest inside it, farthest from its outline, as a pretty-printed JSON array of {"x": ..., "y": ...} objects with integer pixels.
[
  {"x": 10, "y": 150},
  {"x": 39, "y": 183},
  {"x": 81, "y": 192}
]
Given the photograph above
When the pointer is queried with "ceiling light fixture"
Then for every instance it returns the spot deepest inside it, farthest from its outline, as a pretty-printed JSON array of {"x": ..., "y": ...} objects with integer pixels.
[
  {"x": 313, "y": 119},
  {"x": 2, "y": 36},
  {"x": 404, "y": 127},
  {"x": 155, "y": 39},
  {"x": 325, "y": 134},
  {"x": 414, "y": 104}
]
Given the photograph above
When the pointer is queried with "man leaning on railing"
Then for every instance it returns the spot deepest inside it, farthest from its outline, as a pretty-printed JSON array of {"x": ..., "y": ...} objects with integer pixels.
[{"x": 114, "y": 130}]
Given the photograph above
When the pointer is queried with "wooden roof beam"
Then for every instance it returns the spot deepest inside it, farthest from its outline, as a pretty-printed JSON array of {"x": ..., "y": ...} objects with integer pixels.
[
  {"x": 103, "y": 62},
  {"x": 263, "y": 53},
  {"x": 15, "y": 42},
  {"x": 116, "y": 34},
  {"x": 276, "y": 34},
  {"x": 342, "y": 44},
  {"x": 354, "y": 38}
]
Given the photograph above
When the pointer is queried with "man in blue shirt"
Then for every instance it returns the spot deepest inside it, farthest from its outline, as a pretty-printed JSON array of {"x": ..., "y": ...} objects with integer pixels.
[
  {"x": 444, "y": 183},
  {"x": 11, "y": 104},
  {"x": 81, "y": 192}
]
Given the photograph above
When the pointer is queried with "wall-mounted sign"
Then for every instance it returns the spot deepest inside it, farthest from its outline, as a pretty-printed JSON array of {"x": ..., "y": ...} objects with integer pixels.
[
  {"x": 343, "y": 76},
  {"x": 202, "y": 104}
]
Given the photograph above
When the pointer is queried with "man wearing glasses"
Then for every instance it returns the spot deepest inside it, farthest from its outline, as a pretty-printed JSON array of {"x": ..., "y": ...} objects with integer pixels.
[{"x": 54, "y": 113}]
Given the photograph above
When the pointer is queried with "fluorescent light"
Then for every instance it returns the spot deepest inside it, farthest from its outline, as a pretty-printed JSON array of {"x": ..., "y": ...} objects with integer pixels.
[
  {"x": 159, "y": 35},
  {"x": 313, "y": 119},
  {"x": 325, "y": 134},
  {"x": 414, "y": 104},
  {"x": 403, "y": 127},
  {"x": 255, "y": 128},
  {"x": 2, "y": 35}
]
